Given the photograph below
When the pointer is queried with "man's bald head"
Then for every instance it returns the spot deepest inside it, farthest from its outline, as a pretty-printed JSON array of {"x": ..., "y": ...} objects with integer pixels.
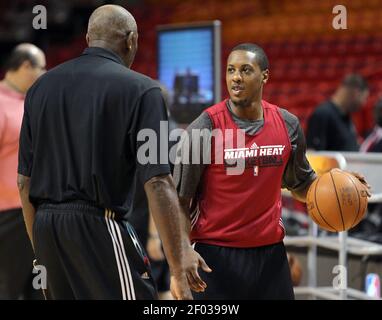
[
  {"x": 25, "y": 52},
  {"x": 113, "y": 27},
  {"x": 24, "y": 65},
  {"x": 110, "y": 22}
]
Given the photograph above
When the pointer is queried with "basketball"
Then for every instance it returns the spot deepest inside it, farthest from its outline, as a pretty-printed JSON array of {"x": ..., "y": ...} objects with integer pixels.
[{"x": 337, "y": 201}]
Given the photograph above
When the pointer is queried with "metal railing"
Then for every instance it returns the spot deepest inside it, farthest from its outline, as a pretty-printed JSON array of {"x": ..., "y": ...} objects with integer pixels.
[{"x": 370, "y": 165}]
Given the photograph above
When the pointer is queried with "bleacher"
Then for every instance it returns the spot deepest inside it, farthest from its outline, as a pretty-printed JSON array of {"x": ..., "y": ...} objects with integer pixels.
[{"x": 308, "y": 57}]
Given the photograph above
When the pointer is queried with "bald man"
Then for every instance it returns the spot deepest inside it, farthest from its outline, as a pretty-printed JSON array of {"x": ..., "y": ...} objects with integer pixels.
[
  {"x": 24, "y": 65},
  {"x": 79, "y": 170}
]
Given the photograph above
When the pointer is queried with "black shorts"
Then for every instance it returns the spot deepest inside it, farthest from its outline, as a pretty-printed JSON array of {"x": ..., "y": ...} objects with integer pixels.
[
  {"x": 89, "y": 253},
  {"x": 159, "y": 269},
  {"x": 260, "y": 273},
  {"x": 16, "y": 258},
  {"x": 161, "y": 275}
]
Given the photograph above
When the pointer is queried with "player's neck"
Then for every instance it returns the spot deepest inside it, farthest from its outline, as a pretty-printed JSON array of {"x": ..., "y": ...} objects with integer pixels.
[
  {"x": 254, "y": 111},
  {"x": 337, "y": 100},
  {"x": 108, "y": 46}
]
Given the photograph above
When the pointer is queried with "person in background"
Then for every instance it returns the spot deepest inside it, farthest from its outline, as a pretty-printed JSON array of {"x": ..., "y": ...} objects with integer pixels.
[
  {"x": 370, "y": 227},
  {"x": 24, "y": 65},
  {"x": 373, "y": 142},
  {"x": 330, "y": 127}
]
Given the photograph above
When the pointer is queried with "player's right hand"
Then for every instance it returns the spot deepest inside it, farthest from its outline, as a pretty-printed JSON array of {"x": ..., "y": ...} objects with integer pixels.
[
  {"x": 192, "y": 261},
  {"x": 179, "y": 287}
]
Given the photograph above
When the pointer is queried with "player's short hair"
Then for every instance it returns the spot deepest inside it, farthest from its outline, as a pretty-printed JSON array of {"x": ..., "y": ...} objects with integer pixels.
[
  {"x": 261, "y": 57},
  {"x": 355, "y": 81},
  {"x": 17, "y": 57}
]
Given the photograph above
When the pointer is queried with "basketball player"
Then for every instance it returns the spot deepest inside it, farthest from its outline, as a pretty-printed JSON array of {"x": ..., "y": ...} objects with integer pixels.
[
  {"x": 24, "y": 65},
  {"x": 78, "y": 167},
  {"x": 235, "y": 219}
]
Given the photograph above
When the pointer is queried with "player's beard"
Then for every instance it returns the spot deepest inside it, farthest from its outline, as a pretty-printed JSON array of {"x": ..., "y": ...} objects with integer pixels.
[
  {"x": 242, "y": 103},
  {"x": 246, "y": 100}
]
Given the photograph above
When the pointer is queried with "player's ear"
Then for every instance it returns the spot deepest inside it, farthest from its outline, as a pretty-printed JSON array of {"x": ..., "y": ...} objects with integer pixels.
[
  {"x": 265, "y": 75},
  {"x": 26, "y": 65},
  {"x": 130, "y": 41}
]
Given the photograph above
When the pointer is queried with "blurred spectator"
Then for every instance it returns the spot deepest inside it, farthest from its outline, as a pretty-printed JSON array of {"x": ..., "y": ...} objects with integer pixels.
[
  {"x": 295, "y": 269},
  {"x": 25, "y": 64},
  {"x": 330, "y": 127},
  {"x": 171, "y": 122},
  {"x": 370, "y": 227},
  {"x": 186, "y": 86},
  {"x": 373, "y": 142}
]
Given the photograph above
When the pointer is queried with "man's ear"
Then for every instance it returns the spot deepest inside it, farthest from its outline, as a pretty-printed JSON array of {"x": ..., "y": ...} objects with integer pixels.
[
  {"x": 26, "y": 65},
  {"x": 130, "y": 41},
  {"x": 87, "y": 39},
  {"x": 265, "y": 76}
]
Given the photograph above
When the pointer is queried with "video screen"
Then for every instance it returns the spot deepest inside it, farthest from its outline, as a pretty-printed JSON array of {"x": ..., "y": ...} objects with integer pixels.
[{"x": 186, "y": 67}]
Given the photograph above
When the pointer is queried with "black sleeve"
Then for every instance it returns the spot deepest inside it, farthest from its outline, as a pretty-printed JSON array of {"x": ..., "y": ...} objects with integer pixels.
[
  {"x": 192, "y": 156},
  {"x": 298, "y": 172},
  {"x": 25, "y": 143},
  {"x": 151, "y": 111},
  {"x": 317, "y": 133}
]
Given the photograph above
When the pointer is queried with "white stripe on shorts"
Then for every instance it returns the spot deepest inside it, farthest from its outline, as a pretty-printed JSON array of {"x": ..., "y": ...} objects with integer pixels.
[{"x": 127, "y": 286}]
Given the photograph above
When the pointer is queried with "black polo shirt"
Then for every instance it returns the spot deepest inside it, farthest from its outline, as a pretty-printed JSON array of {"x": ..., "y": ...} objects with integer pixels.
[
  {"x": 78, "y": 139},
  {"x": 331, "y": 129}
]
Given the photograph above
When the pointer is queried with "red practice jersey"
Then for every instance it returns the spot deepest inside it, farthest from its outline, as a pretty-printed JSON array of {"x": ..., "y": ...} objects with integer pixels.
[{"x": 243, "y": 210}]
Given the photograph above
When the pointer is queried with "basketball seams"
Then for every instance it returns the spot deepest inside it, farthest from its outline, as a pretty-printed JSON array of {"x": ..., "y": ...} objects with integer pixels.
[
  {"x": 338, "y": 200},
  {"x": 311, "y": 211},
  {"x": 359, "y": 201},
  {"x": 345, "y": 197},
  {"x": 318, "y": 209}
]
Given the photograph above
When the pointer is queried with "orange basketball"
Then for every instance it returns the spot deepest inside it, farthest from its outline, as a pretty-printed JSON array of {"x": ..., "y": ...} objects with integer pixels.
[{"x": 337, "y": 201}]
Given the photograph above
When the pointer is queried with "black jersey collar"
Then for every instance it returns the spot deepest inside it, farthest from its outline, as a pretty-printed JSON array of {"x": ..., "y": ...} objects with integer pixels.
[{"x": 105, "y": 53}]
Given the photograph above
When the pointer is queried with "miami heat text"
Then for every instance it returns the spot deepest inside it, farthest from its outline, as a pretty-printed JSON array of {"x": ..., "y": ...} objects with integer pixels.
[{"x": 264, "y": 156}]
